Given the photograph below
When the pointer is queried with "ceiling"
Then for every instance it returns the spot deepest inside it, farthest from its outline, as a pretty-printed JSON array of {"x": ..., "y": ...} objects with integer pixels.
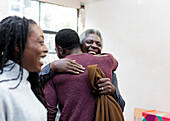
[
  {"x": 88, "y": 1},
  {"x": 70, "y": 3}
]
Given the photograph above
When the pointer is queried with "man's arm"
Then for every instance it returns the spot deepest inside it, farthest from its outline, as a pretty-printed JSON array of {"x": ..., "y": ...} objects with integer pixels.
[
  {"x": 117, "y": 96},
  {"x": 46, "y": 74},
  {"x": 64, "y": 65}
]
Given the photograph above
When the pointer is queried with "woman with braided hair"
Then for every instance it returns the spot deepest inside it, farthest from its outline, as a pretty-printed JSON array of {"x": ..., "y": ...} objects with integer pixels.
[{"x": 21, "y": 50}]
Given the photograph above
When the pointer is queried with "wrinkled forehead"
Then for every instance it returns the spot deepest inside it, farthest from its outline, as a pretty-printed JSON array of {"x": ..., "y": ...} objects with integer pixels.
[{"x": 93, "y": 37}]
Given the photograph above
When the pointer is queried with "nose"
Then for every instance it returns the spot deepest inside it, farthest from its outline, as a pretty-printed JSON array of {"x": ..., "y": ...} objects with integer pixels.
[
  {"x": 94, "y": 45},
  {"x": 45, "y": 49}
]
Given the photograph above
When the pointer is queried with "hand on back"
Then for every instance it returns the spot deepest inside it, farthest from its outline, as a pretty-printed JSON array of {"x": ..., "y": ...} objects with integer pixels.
[{"x": 66, "y": 65}]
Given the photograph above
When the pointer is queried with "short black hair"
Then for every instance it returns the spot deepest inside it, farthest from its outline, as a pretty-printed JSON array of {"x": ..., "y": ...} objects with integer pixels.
[{"x": 67, "y": 38}]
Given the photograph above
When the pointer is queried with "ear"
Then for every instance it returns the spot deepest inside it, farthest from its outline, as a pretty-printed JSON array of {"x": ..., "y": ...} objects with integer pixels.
[
  {"x": 17, "y": 48},
  {"x": 56, "y": 50},
  {"x": 16, "y": 53},
  {"x": 64, "y": 51},
  {"x": 60, "y": 50}
]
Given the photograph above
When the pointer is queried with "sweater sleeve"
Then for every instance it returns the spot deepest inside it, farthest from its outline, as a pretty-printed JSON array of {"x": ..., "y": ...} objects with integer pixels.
[
  {"x": 113, "y": 61},
  {"x": 51, "y": 98}
]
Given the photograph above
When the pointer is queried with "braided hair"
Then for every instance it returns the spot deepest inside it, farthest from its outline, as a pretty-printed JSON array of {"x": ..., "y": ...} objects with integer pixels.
[{"x": 14, "y": 31}]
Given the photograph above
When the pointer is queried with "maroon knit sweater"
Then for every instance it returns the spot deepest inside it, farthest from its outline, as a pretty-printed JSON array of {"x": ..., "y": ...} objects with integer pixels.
[{"x": 73, "y": 92}]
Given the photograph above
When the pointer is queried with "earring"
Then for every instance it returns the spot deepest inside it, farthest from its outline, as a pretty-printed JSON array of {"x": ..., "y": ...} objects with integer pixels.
[{"x": 2, "y": 53}]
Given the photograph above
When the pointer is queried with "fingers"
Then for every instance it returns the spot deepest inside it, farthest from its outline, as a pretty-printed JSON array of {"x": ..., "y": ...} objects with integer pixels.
[
  {"x": 104, "y": 90},
  {"x": 74, "y": 67},
  {"x": 74, "y": 63},
  {"x": 66, "y": 66},
  {"x": 73, "y": 72},
  {"x": 105, "y": 86},
  {"x": 103, "y": 80}
]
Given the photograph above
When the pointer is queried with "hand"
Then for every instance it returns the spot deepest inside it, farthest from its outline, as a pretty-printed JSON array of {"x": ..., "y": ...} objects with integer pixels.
[
  {"x": 105, "y": 86},
  {"x": 66, "y": 66}
]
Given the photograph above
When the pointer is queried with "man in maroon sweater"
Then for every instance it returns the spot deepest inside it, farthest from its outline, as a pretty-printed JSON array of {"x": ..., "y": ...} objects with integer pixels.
[{"x": 72, "y": 93}]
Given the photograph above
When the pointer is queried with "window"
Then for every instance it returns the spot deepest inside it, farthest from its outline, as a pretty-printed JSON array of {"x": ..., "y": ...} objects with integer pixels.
[
  {"x": 49, "y": 17},
  {"x": 55, "y": 17}
]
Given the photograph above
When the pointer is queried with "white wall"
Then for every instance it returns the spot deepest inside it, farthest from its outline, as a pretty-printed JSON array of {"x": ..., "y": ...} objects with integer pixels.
[
  {"x": 3, "y": 9},
  {"x": 137, "y": 33}
]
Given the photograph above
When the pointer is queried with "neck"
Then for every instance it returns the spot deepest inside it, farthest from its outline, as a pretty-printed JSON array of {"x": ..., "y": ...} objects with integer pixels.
[{"x": 76, "y": 51}]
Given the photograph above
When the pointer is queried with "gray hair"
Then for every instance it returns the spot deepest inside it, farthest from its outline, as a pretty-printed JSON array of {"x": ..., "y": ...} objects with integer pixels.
[{"x": 90, "y": 31}]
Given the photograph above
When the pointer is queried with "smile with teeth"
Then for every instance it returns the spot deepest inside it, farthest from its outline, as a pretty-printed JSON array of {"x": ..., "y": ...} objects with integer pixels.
[
  {"x": 92, "y": 52},
  {"x": 41, "y": 60}
]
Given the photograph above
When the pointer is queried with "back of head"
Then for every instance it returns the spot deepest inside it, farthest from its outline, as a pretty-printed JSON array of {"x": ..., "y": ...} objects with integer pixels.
[
  {"x": 67, "y": 38},
  {"x": 90, "y": 31}
]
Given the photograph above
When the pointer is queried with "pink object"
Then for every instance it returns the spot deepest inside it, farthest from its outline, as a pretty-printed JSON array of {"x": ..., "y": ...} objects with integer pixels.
[{"x": 154, "y": 115}]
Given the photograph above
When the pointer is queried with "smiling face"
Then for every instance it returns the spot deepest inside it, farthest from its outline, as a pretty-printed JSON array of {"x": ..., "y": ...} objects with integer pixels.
[
  {"x": 35, "y": 49},
  {"x": 92, "y": 44}
]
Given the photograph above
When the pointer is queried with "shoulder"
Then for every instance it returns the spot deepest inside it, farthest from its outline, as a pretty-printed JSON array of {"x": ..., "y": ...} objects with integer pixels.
[
  {"x": 4, "y": 91},
  {"x": 112, "y": 59},
  {"x": 4, "y": 86},
  {"x": 104, "y": 55},
  {"x": 107, "y": 54},
  {"x": 78, "y": 55}
]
